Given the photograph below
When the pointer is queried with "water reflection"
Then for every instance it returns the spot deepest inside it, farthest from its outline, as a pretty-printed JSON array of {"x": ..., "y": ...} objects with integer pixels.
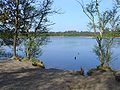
[{"x": 71, "y": 53}]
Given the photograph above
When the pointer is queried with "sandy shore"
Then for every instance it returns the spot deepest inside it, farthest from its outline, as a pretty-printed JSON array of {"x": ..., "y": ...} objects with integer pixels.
[{"x": 15, "y": 75}]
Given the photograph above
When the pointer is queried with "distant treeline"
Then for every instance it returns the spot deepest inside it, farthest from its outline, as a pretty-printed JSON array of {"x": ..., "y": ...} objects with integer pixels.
[
  {"x": 71, "y": 33},
  {"x": 84, "y": 33},
  {"x": 10, "y": 34},
  {"x": 66, "y": 33}
]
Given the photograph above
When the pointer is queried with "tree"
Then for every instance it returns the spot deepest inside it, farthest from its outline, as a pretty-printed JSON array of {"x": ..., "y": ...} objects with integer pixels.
[
  {"x": 102, "y": 23},
  {"x": 16, "y": 27},
  {"x": 36, "y": 18},
  {"x": 25, "y": 16},
  {"x": 9, "y": 21}
]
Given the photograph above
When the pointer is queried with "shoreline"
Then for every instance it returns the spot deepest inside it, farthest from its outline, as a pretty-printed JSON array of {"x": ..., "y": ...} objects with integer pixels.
[
  {"x": 78, "y": 36},
  {"x": 16, "y": 75}
]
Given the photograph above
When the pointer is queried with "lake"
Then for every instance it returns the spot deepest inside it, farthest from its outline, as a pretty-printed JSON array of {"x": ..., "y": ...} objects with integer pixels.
[{"x": 71, "y": 53}]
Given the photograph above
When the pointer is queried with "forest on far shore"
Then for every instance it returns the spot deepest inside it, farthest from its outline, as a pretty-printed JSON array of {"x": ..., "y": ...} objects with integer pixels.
[
  {"x": 65, "y": 33},
  {"x": 81, "y": 33}
]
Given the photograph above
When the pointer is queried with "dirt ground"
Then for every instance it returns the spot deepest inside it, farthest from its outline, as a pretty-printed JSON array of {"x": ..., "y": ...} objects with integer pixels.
[{"x": 16, "y": 75}]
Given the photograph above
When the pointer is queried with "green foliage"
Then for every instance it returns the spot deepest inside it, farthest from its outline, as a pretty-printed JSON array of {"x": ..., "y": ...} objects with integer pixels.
[
  {"x": 7, "y": 38},
  {"x": 104, "y": 25},
  {"x": 24, "y": 59},
  {"x": 117, "y": 33},
  {"x": 22, "y": 16},
  {"x": 106, "y": 51},
  {"x": 99, "y": 69},
  {"x": 70, "y": 33},
  {"x": 36, "y": 62},
  {"x": 32, "y": 46}
]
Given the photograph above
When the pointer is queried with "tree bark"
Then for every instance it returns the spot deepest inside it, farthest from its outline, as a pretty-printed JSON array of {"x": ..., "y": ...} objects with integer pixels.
[{"x": 16, "y": 28}]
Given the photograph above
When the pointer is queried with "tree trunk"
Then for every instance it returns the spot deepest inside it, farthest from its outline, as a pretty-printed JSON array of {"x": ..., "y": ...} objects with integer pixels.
[
  {"x": 101, "y": 57},
  {"x": 100, "y": 37},
  {"x": 14, "y": 45},
  {"x": 15, "y": 31}
]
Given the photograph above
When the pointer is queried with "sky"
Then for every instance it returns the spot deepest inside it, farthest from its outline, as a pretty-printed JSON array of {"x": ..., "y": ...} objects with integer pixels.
[{"x": 72, "y": 18}]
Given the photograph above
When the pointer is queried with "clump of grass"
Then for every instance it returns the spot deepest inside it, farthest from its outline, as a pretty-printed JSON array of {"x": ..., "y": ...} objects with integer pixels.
[
  {"x": 90, "y": 72},
  {"x": 100, "y": 69},
  {"x": 105, "y": 68},
  {"x": 34, "y": 61},
  {"x": 81, "y": 71},
  {"x": 15, "y": 58}
]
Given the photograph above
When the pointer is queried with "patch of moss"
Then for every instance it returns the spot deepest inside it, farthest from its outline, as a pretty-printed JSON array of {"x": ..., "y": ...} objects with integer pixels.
[
  {"x": 114, "y": 72},
  {"x": 25, "y": 60},
  {"x": 15, "y": 58},
  {"x": 36, "y": 62},
  {"x": 104, "y": 68},
  {"x": 100, "y": 69}
]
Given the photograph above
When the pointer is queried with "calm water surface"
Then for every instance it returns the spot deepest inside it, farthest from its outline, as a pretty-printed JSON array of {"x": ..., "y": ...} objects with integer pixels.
[{"x": 61, "y": 52}]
